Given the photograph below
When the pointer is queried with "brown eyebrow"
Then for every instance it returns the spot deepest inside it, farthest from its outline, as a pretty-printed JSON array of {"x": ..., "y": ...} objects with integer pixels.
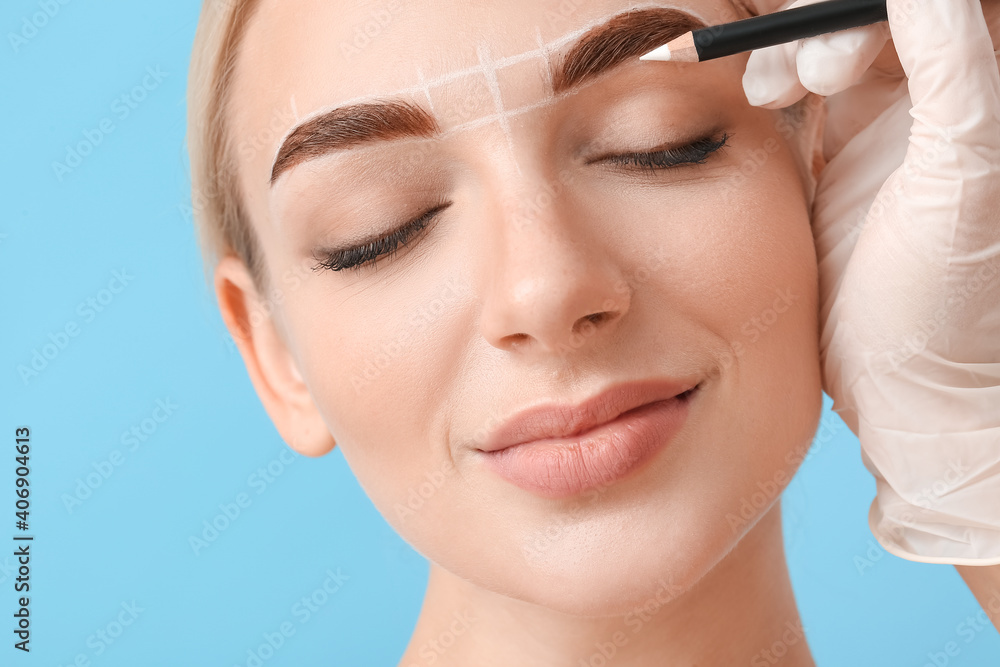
[
  {"x": 624, "y": 37},
  {"x": 350, "y": 126}
]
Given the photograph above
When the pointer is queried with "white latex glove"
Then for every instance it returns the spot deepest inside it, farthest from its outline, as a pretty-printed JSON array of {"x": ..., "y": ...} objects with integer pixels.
[{"x": 906, "y": 221}]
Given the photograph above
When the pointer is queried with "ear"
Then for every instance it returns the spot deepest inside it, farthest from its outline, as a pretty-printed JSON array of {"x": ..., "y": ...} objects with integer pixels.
[{"x": 272, "y": 369}]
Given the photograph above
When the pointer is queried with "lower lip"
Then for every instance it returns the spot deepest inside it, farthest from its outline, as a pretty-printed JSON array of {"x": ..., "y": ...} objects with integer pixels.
[{"x": 561, "y": 467}]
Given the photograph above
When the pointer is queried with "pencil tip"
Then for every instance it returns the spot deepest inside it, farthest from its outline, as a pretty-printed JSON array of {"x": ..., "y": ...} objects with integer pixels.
[{"x": 659, "y": 53}]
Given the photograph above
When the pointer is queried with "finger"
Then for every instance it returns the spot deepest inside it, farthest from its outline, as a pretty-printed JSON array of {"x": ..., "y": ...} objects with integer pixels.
[
  {"x": 931, "y": 230},
  {"x": 830, "y": 63},
  {"x": 770, "y": 79},
  {"x": 774, "y": 76},
  {"x": 947, "y": 53},
  {"x": 765, "y": 6},
  {"x": 947, "y": 188},
  {"x": 941, "y": 226}
]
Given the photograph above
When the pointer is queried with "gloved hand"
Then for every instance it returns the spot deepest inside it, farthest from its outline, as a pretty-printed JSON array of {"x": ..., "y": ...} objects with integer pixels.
[{"x": 906, "y": 221}]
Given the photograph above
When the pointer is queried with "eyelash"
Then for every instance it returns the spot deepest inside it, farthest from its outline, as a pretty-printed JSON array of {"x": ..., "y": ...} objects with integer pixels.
[
  {"x": 368, "y": 253},
  {"x": 697, "y": 152}
]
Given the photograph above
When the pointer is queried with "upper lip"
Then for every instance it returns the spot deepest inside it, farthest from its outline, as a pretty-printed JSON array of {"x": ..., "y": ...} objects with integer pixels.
[{"x": 566, "y": 420}]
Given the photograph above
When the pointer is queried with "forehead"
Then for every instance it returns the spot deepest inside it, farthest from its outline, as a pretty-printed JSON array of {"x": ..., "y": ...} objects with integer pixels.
[
  {"x": 301, "y": 57},
  {"x": 370, "y": 45}
]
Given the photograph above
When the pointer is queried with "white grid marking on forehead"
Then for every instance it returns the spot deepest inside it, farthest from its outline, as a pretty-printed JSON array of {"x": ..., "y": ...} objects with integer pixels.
[
  {"x": 543, "y": 51},
  {"x": 490, "y": 71},
  {"x": 546, "y": 59},
  {"x": 426, "y": 88}
]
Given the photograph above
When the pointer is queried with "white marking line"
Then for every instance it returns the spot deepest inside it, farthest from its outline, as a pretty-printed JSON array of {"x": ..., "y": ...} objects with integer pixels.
[
  {"x": 486, "y": 120},
  {"x": 544, "y": 51},
  {"x": 425, "y": 85},
  {"x": 482, "y": 120},
  {"x": 494, "y": 85},
  {"x": 545, "y": 59},
  {"x": 427, "y": 89}
]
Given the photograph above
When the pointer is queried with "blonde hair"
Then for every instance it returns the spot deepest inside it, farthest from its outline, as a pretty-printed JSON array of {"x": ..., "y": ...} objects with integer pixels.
[{"x": 216, "y": 197}]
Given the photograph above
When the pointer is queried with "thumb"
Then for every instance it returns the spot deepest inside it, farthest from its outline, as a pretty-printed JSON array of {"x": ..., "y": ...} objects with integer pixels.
[
  {"x": 948, "y": 187},
  {"x": 932, "y": 230},
  {"x": 947, "y": 54}
]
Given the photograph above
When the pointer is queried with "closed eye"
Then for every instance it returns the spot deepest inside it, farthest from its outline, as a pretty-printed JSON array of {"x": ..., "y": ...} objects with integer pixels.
[
  {"x": 368, "y": 252},
  {"x": 697, "y": 152},
  {"x": 356, "y": 256}
]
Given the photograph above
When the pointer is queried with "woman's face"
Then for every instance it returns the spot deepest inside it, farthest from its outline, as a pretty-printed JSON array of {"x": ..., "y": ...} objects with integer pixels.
[{"x": 548, "y": 270}]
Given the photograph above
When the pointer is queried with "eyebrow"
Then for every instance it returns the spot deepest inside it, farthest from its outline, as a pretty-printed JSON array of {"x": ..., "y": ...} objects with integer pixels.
[{"x": 622, "y": 38}]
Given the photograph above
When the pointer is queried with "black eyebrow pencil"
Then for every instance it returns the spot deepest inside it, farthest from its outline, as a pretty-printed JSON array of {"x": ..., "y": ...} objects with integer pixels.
[{"x": 779, "y": 27}]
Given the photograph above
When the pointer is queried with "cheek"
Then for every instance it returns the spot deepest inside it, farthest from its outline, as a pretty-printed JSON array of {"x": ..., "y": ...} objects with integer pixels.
[
  {"x": 758, "y": 293},
  {"x": 743, "y": 271},
  {"x": 378, "y": 365},
  {"x": 762, "y": 281},
  {"x": 728, "y": 246}
]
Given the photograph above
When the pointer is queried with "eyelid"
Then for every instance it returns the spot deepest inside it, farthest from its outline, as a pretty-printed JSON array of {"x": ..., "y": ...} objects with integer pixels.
[
  {"x": 369, "y": 252},
  {"x": 693, "y": 152},
  {"x": 656, "y": 159}
]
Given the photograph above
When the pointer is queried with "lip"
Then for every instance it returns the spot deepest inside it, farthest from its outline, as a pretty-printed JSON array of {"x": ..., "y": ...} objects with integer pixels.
[{"x": 560, "y": 450}]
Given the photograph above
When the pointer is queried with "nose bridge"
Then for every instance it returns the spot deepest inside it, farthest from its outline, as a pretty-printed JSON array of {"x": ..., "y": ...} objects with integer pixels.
[{"x": 553, "y": 284}]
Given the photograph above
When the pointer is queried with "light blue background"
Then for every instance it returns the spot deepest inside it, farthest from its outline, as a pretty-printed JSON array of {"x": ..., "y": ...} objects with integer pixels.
[{"x": 126, "y": 207}]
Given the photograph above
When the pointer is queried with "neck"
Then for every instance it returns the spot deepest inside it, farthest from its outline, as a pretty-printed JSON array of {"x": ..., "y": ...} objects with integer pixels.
[{"x": 742, "y": 611}]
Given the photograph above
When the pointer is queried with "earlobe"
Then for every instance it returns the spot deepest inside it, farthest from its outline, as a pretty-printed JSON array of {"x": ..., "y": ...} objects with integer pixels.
[{"x": 273, "y": 371}]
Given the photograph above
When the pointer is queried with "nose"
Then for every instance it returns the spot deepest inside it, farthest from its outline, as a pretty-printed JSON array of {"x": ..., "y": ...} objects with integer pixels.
[{"x": 555, "y": 285}]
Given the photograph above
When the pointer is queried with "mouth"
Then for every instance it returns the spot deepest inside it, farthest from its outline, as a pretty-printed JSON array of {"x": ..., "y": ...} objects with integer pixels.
[{"x": 558, "y": 451}]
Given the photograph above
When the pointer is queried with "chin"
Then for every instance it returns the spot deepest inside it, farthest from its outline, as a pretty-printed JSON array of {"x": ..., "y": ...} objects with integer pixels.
[
  {"x": 612, "y": 566},
  {"x": 614, "y": 586}
]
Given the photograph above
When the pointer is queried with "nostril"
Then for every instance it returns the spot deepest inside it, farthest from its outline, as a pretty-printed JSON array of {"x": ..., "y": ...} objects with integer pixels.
[
  {"x": 518, "y": 338},
  {"x": 596, "y": 318}
]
